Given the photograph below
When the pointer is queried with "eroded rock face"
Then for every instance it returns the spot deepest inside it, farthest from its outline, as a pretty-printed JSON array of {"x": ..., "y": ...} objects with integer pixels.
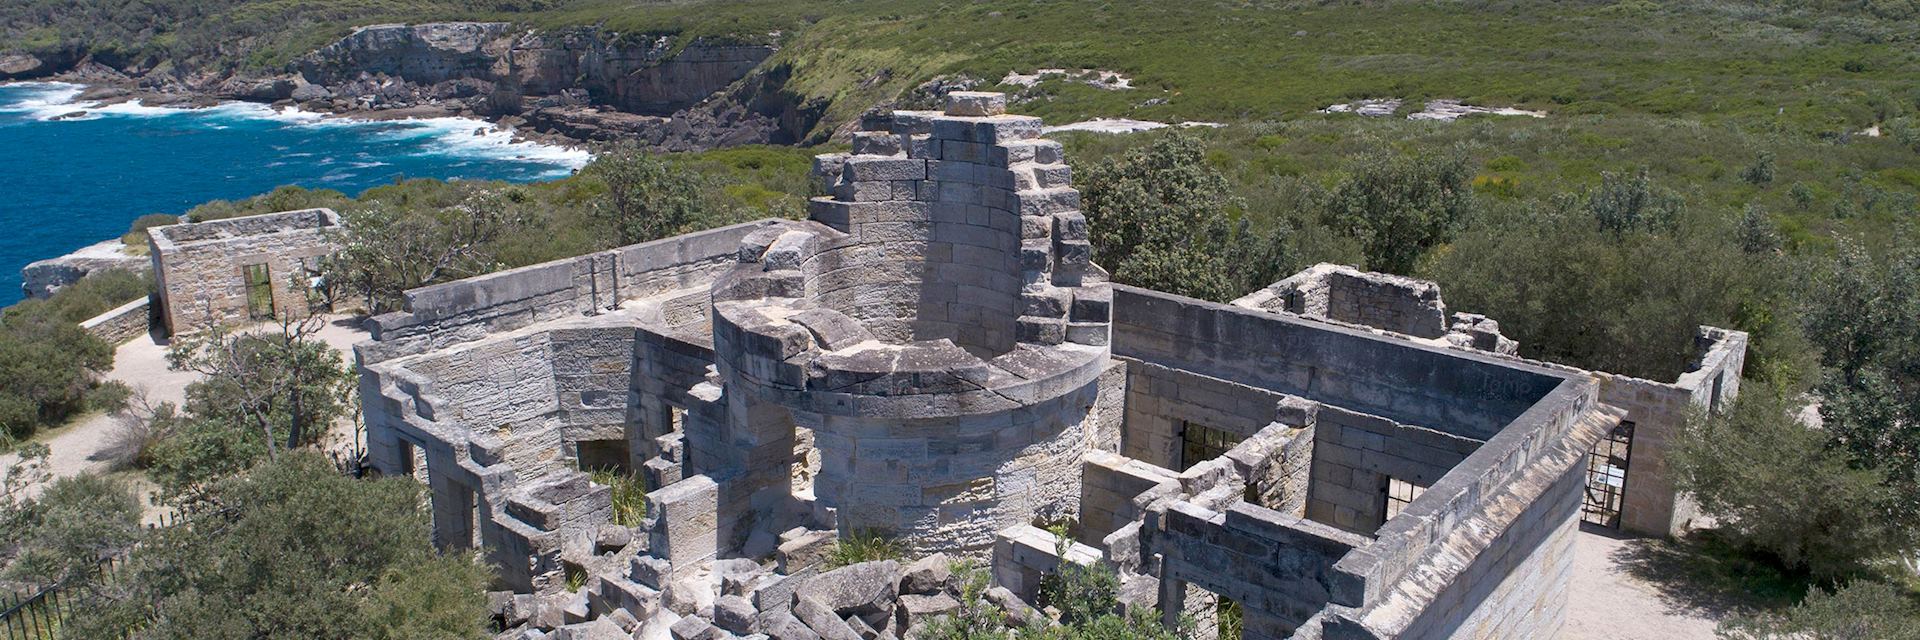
[
  {"x": 41, "y": 279},
  {"x": 645, "y": 76}
]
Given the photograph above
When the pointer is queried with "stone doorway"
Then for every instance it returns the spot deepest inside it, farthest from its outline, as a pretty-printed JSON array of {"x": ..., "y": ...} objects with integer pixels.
[{"x": 1607, "y": 477}]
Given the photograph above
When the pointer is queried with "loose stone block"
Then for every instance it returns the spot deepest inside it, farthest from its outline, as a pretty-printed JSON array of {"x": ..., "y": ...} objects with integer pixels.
[{"x": 976, "y": 103}]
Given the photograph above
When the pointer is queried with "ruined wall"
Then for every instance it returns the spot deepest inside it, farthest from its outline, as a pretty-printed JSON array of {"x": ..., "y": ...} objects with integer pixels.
[
  {"x": 1653, "y": 505},
  {"x": 120, "y": 324},
  {"x": 1108, "y": 485},
  {"x": 1344, "y": 294},
  {"x": 1354, "y": 454},
  {"x": 441, "y": 315},
  {"x": 1273, "y": 564},
  {"x": 199, "y": 268},
  {"x": 1454, "y": 391},
  {"x": 1160, "y": 399}
]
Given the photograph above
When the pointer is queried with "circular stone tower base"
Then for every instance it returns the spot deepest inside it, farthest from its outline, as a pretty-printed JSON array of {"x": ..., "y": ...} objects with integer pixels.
[{"x": 937, "y": 324}]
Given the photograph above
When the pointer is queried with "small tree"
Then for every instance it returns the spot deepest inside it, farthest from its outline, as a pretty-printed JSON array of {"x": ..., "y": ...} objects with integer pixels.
[
  {"x": 647, "y": 197},
  {"x": 1164, "y": 219},
  {"x": 259, "y": 393},
  {"x": 1774, "y": 483},
  {"x": 1631, "y": 203},
  {"x": 388, "y": 246},
  {"x": 1399, "y": 207}
]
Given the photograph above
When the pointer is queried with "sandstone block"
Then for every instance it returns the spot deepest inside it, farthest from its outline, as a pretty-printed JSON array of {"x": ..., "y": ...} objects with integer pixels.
[
  {"x": 927, "y": 575},
  {"x": 868, "y": 587},
  {"x": 823, "y": 620},
  {"x": 781, "y": 625},
  {"x": 876, "y": 143},
  {"x": 735, "y": 613},
  {"x": 866, "y": 169},
  {"x": 976, "y": 103}
]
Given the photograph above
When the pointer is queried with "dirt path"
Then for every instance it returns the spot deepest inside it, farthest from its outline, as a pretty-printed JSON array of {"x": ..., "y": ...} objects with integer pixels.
[
  {"x": 142, "y": 364},
  {"x": 1608, "y": 600}
]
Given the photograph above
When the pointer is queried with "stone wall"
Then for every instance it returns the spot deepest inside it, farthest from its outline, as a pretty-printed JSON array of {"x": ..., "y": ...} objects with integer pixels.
[
  {"x": 1353, "y": 456},
  {"x": 199, "y": 268},
  {"x": 120, "y": 324},
  {"x": 1450, "y": 390},
  {"x": 1161, "y": 400},
  {"x": 441, "y": 315},
  {"x": 1653, "y": 504}
]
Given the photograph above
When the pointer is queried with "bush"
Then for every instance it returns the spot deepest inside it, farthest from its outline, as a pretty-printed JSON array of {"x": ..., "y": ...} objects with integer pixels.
[
  {"x": 136, "y": 235},
  {"x": 1863, "y": 610},
  {"x": 1162, "y": 218},
  {"x": 295, "y": 550},
  {"x": 1776, "y": 487},
  {"x": 77, "y": 523},
  {"x": 1400, "y": 206}
]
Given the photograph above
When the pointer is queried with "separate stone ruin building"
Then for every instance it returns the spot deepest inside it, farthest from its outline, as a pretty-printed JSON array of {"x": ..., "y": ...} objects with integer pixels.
[
  {"x": 933, "y": 356},
  {"x": 237, "y": 270}
]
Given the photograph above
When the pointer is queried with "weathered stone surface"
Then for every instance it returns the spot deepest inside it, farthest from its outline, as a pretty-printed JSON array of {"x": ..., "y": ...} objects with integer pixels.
[
  {"x": 917, "y": 609},
  {"x": 781, "y": 625},
  {"x": 867, "y": 587},
  {"x": 823, "y": 620},
  {"x": 930, "y": 574},
  {"x": 976, "y": 103},
  {"x": 736, "y": 614}
]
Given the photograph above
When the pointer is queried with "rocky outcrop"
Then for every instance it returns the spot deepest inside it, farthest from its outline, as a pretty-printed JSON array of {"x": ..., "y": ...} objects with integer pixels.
[
  {"x": 583, "y": 83},
  {"x": 41, "y": 279}
]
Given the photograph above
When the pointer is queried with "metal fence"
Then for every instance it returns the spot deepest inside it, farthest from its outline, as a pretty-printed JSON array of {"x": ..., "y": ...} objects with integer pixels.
[{"x": 39, "y": 615}]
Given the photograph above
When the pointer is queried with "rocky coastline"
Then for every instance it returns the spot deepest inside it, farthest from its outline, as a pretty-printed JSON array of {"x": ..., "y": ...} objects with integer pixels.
[{"x": 568, "y": 87}]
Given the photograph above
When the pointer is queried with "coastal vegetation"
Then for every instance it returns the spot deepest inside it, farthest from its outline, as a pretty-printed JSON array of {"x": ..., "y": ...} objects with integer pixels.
[
  {"x": 1743, "y": 165},
  {"x": 49, "y": 366}
]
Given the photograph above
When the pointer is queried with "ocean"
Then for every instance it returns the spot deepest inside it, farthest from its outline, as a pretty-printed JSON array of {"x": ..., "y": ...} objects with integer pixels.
[{"x": 71, "y": 181}]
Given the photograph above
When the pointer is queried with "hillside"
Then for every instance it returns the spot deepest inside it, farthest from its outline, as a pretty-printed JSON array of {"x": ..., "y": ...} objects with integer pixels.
[{"x": 1830, "y": 67}]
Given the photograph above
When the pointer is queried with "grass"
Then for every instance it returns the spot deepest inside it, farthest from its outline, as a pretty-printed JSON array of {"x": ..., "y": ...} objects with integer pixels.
[
  {"x": 629, "y": 495},
  {"x": 864, "y": 546}
]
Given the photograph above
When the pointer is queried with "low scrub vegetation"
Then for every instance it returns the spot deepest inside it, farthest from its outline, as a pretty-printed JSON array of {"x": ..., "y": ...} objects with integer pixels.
[{"x": 49, "y": 367}]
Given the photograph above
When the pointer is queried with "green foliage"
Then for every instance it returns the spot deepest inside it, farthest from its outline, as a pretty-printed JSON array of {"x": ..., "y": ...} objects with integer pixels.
[
  {"x": 648, "y": 197},
  {"x": 1162, "y": 218},
  {"x": 1860, "y": 610},
  {"x": 294, "y": 550},
  {"x": 1865, "y": 315},
  {"x": 75, "y": 524},
  {"x": 392, "y": 244},
  {"x": 1758, "y": 234},
  {"x": 629, "y": 495},
  {"x": 287, "y": 198},
  {"x": 977, "y": 619},
  {"x": 1630, "y": 203},
  {"x": 49, "y": 366},
  {"x": 259, "y": 393},
  {"x": 1807, "y": 506},
  {"x": 864, "y": 546},
  {"x": 1574, "y": 293},
  {"x": 1400, "y": 206},
  {"x": 1760, "y": 173},
  {"x": 136, "y": 235}
]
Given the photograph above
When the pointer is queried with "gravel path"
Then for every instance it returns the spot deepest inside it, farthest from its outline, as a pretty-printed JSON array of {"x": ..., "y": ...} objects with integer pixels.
[
  {"x": 142, "y": 365},
  {"x": 1609, "y": 601}
]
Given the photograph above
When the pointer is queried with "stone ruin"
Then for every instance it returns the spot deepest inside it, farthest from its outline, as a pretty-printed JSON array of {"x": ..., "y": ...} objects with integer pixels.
[
  {"x": 933, "y": 357},
  {"x": 237, "y": 270}
]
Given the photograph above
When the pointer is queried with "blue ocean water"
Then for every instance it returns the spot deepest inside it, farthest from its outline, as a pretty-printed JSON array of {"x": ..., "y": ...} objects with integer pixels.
[{"x": 69, "y": 182}]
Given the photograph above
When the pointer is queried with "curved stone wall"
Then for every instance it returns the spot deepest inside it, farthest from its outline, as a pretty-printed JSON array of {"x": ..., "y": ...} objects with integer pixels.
[{"x": 937, "y": 324}]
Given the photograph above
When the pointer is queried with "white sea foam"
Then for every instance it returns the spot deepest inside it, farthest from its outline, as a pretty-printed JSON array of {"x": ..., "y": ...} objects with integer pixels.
[{"x": 452, "y": 136}]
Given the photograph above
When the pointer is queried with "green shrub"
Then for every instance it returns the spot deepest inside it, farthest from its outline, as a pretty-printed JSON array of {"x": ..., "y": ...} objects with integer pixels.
[
  {"x": 136, "y": 236},
  {"x": 864, "y": 546},
  {"x": 1863, "y": 609}
]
